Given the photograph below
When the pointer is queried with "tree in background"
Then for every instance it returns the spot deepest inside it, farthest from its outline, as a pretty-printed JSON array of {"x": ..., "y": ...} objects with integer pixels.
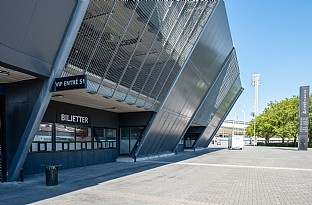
[
  {"x": 310, "y": 119},
  {"x": 264, "y": 125},
  {"x": 279, "y": 119}
]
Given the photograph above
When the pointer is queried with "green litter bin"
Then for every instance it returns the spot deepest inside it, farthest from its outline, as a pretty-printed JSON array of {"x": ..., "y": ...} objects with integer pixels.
[{"x": 51, "y": 172}]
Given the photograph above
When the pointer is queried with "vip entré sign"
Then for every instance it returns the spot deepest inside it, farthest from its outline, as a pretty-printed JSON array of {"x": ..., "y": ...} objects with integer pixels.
[{"x": 70, "y": 83}]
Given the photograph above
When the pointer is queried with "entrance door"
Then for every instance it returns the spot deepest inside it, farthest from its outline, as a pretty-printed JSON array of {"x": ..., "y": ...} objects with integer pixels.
[
  {"x": 189, "y": 140},
  {"x": 124, "y": 140},
  {"x": 128, "y": 138}
]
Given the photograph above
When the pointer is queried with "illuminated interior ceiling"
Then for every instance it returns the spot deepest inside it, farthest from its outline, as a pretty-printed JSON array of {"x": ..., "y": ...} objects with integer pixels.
[{"x": 83, "y": 98}]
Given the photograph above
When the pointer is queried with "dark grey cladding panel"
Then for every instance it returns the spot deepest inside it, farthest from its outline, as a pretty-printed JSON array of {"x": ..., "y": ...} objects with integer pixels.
[
  {"x": 31, "y": 33},
  {"x": 195, "y": 129},
  {"x": 214, "y": 45},
  {"x": 19, "y": 101},
  {"x": 171, "y": 121},
  {"x": 218, "y": 91},
  {"x": 199, "y": 73},
  {"x": 220, "y": 115},
  {"x": 135, "y": 118}
]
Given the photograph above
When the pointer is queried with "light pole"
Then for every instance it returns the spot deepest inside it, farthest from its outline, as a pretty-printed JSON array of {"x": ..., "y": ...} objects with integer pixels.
[
  {"x": 233, "y": 130},
  {"x": 255, "y": 81},
  {"x": 244, "y": 112},
  {"x": 255, "y": 139}
]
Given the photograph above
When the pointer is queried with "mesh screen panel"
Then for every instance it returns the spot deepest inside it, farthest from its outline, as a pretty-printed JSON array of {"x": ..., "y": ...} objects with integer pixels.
[{"x": 134, "y": 50}]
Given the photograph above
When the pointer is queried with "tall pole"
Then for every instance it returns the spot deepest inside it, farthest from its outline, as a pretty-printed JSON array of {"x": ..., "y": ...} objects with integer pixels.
[
  {"x": 255, "y": 78},
  {"x": 244, "y": 120},
  {"x": 255, "y": 130}
]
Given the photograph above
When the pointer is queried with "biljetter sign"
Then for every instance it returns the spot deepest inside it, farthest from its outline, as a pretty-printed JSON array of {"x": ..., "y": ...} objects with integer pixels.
[
  {"x": 70, "y": 83},
  {"x": 303, "y": 118},
  {"x": 65, "y": 118}
]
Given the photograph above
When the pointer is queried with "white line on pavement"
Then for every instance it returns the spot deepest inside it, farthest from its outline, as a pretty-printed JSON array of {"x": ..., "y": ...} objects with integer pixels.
[{"x": 232, "y": 166}]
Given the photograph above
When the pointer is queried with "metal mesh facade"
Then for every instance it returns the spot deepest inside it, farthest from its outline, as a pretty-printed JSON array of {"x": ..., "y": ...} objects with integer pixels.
[
  {"x": 221, "y": 114},
  {"x": 211, "y": 64},
  {"x": 133, "y": 51},
  {"x": 216, "y": 95}
]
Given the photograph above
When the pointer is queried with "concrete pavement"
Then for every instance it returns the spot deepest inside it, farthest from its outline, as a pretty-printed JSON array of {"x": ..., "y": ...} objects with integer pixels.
[{"x": 255, "y": 175}]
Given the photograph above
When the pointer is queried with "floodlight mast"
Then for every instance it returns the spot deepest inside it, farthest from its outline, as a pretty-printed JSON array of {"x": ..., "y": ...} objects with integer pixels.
[{"x": 255, "y": 81}]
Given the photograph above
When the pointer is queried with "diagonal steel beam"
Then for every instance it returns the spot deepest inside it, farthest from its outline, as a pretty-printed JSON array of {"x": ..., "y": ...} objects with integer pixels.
[{"x": 45, "y": 95}]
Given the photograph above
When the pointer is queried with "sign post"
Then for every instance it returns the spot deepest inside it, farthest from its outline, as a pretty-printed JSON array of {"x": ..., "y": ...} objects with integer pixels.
[{"x": 303, "y": 118}]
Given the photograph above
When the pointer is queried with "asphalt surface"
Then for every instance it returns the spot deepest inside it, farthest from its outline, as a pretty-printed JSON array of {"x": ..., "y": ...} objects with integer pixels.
[{"x": 254, "y": 175}]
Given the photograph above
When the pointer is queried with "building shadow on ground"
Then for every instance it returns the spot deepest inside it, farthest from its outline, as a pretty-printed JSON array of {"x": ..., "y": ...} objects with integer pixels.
[
  {"x": 287, "y": 148},
  {"x": 33, "y": 189}
]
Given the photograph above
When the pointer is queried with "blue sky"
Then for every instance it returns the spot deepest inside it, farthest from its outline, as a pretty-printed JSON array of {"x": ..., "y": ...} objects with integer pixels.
[{"x": 274, "y": 39}]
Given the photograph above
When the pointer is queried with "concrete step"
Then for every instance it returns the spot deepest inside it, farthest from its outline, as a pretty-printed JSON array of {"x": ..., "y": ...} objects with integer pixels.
[{"x": 124, "y": 159}]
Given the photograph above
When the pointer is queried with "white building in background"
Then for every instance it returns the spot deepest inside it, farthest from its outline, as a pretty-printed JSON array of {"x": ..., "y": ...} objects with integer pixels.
[
  {"x": 229, "y": 128},
  {"x": 238, "y": 128}
]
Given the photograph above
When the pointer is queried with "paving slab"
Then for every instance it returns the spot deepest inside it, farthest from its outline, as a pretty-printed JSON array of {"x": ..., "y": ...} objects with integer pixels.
[{"x": 254, "y": 175}]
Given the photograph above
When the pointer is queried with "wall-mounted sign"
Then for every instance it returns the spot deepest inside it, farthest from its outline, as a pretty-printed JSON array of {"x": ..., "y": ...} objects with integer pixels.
[
  {"x": 70, "y": 83},
  {"x": 73, "y": 119}
]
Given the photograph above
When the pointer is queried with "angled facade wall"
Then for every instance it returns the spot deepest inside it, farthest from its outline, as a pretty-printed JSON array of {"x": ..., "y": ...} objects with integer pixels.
[
  {"x": 220, "y": 115},
  {"x": 216, "y": 95},
  {"x": 196, "y": 79}
]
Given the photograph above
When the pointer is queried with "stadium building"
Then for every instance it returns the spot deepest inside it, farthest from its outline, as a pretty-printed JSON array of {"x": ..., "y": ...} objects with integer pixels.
[{"x": 87, "y": 82}]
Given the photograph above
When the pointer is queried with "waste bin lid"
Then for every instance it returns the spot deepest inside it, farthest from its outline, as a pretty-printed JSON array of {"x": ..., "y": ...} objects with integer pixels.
[{"x": 51, "y": 166}]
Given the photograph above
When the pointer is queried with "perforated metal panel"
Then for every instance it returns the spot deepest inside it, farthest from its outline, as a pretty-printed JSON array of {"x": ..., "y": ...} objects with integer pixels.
[{"x": 133, "y": 51}]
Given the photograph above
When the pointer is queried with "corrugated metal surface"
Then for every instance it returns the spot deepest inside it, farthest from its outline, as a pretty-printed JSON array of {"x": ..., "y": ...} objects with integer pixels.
[
  {"x": 221, "y": 114},
  {"x": 133, "y": 51},
  {"x": 198, "y": 75}
]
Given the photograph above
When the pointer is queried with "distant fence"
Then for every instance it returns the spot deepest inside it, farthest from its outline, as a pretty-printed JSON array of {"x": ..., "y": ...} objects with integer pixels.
[{"x": 250, "y": 140}]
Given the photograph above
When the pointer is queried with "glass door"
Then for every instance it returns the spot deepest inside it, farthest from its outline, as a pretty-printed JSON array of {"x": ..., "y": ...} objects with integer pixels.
[
  {"x": 135, "y": 134},
  {"x": 128, "y": 138},
  {"x": 124, "y": 140},
  {"x": 189, "y": 139}
]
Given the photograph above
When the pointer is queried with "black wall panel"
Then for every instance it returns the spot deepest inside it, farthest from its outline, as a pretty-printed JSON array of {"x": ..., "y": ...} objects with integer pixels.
[{"x": 19, "y": 102}]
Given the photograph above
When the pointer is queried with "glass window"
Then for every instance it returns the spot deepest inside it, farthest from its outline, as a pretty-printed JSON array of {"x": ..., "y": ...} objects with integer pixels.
[
  {"x": 44, "y": 133},
  {"x": 110, "y": 134},
  {"x": 42, "y": 141},
  {"x": 72, "y": 137},
  {"x": 64, "y": 133},
  {"x": 104, "y": 138},
  {"x": 64, "y": 137},
  {"x": 83, "y": 134}
]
